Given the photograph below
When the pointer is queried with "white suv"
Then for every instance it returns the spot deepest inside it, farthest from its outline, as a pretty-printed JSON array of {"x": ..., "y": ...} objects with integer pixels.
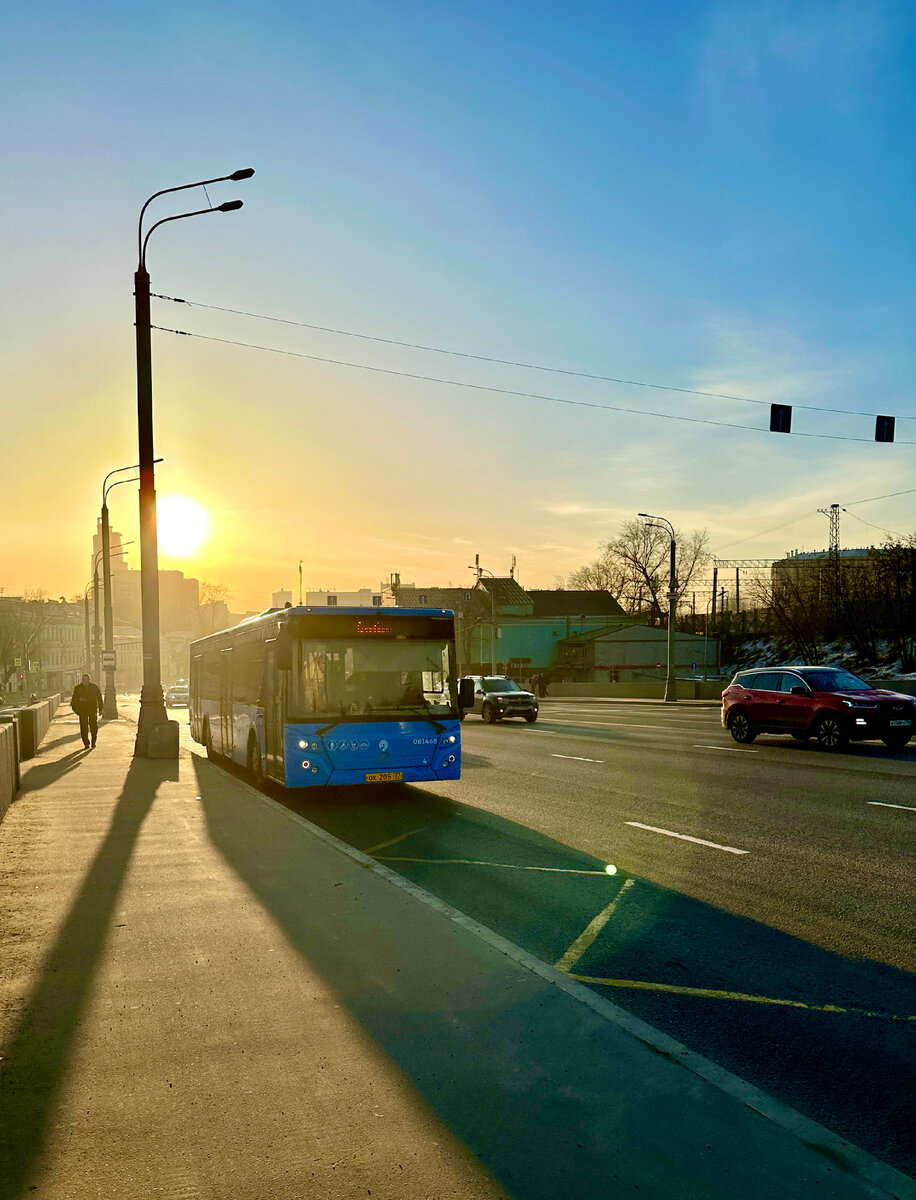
[{"x": 498, "y": 696}]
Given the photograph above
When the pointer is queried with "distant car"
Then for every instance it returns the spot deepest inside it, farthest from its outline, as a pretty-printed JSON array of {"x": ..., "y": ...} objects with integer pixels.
[
  {"x": 497, "y": 697},
  {"x": 178, "y": 696},
  {"x": 826, "y": 703}
]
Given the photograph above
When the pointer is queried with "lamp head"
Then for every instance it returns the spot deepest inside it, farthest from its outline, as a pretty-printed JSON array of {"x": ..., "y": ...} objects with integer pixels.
[
  {"x": 229, "y": 206},
  {"x": 245, "y": 173}
]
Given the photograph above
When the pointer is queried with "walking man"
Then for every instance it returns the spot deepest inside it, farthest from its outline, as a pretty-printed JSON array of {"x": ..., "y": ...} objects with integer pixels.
[{"x": 87, "y": 703}]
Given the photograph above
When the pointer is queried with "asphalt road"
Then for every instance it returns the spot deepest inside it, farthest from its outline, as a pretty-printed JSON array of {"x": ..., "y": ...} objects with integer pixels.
[{"x": 761, "y": 906}]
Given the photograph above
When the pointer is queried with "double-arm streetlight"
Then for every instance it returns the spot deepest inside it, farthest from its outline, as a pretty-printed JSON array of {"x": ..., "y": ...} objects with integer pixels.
[
  {"x": 671, "y": 676},
  {"x": 152, "y": 703},
  {"x": 110, "y": 711}
]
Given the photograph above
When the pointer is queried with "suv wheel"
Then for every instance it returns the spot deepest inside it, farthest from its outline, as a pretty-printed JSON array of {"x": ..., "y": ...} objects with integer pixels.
[
  {"x": 831, "y": 733},
  {"x": 488, "y": 712},
  {"x": 531, "y": 717},
  {"x": 740, "y": 727}
]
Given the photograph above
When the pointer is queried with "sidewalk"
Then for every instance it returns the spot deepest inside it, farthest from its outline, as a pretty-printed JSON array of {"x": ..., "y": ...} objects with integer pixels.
[{"x": 204, "y": 996}]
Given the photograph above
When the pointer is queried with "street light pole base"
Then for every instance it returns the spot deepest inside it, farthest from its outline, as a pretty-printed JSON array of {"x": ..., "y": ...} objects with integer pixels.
[
  {"x": 157, "y": 736},
  {"x": 110, "y": 704}
]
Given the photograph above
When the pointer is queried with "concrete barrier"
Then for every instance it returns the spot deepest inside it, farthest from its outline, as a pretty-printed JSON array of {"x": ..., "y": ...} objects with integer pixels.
[
  {"x": 33, "y": 722},
  {"x": 9, "y": 763},
  {"x": 649, "y": 689}
]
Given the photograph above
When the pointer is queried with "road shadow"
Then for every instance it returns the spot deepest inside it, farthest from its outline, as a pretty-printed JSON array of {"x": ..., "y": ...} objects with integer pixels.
[
  {"x": 41, "y": 775},
  {"x": 38, "y": 1054},
  {"x": 46, "y": 746},
  {"x": 469, "y": 1042}
]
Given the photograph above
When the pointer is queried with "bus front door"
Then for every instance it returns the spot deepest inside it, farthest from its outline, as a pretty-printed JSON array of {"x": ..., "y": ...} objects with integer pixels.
[
  {"x": 275, "y": 707},
  {"x": 225, "y": 703}
]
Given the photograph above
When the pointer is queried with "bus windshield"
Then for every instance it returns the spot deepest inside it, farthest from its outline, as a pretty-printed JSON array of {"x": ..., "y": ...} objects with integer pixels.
[{"x": 373, "y": 680}]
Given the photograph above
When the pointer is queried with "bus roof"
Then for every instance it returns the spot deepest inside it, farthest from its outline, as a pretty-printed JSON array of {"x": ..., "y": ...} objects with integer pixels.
[{"x": 281, "y": 615}]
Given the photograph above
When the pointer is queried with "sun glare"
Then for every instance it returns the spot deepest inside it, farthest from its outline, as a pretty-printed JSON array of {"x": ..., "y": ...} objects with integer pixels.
[{"x": 182, "y": 525}]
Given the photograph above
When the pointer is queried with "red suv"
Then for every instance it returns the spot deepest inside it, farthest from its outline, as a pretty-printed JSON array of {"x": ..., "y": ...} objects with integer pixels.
[{"x": 826, "y": 703}]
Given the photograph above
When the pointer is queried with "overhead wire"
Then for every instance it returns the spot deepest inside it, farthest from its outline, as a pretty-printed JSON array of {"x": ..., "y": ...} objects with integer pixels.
[
  {"x": 506, "y": 362},
  {"x": 479, "y": 387}
]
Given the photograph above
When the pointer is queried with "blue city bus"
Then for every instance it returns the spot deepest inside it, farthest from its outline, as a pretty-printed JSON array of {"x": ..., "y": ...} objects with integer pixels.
[{"x": 311, "y": 696}]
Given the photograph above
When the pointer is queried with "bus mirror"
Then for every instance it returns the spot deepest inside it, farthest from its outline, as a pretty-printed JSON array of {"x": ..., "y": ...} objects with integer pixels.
[{"x": 465, "y": 693}]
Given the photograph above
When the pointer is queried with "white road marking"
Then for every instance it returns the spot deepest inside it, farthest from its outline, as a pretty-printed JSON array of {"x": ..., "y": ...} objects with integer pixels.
[
  {"x": 473, "y": 862},
  {"x": 590, "y": 932},
  {"x": 687, "y": 838},
  {"x": 881, "y": 804},
  {"x": 727, "y": 749},
  {"x": 576, "y": 758}
]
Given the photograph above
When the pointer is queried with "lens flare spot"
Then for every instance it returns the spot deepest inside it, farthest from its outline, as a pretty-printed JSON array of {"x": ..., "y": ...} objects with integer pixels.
[{"x": 610, "y": 869}]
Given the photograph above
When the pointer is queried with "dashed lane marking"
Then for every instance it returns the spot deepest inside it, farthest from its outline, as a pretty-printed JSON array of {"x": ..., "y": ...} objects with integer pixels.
[
  {"x": 685, "y": 837},
  {"x": 714, "y": 994},
  {"x": 471, "y": 862},
  {"x": 882, "y": 804},
  {"x": 591, "y": 931},
  {"x": 727, "y": 749},
  {"x": 577, "y": 758}
]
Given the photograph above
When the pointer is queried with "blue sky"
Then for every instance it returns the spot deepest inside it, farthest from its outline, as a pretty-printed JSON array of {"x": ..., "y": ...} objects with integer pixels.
[{"x": 712, "y": 196}]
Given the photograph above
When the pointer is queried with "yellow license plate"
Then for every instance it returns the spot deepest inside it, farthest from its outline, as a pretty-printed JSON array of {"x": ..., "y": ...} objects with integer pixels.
[{"x": 385, "y": 777}]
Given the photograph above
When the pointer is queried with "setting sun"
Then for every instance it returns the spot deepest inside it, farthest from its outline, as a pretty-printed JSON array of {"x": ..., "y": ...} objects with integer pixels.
[{"x": 182, "y": 525}]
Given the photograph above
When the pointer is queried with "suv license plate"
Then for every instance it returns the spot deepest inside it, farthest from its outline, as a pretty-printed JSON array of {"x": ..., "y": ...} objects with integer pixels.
[
  {"x": 897, "y": 724},
  {"x": 385, "y": 777}
]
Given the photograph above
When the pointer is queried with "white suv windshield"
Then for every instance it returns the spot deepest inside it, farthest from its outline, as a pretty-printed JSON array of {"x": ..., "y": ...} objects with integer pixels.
[{"x": 500, "y": 685}]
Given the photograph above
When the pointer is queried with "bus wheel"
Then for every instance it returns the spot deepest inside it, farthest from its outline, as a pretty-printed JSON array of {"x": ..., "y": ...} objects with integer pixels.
[{"x": 254, "y": 762}]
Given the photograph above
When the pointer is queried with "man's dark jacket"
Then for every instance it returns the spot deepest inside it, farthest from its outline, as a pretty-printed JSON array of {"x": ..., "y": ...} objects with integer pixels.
[{"x": 86, "y": 698}]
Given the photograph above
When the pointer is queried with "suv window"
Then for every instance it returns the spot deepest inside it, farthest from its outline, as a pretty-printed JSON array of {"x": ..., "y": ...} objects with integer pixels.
[
  {"x": 790, "y": 680},
  {"x": 761, "y": 681}
]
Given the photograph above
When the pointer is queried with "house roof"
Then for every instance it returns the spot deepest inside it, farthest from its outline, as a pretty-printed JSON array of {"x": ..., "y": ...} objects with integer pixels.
[
  {"x": 559, "y": 602},
  {"x": 455, "y": 599},
  {"x": 506, "y": 591}
]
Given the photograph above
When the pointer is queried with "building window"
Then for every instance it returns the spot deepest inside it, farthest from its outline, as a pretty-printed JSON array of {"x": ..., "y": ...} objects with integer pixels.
[
  {"x": 332, "y": 600},
  {"x": 421, "y": 599},
  {"x": 376, "y": 602}
]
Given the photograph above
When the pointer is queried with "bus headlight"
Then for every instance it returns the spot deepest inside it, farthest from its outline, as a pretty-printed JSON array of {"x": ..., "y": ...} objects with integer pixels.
[
  {"x": 306, "y": 764},
  {"x": 303, "y": 745}
]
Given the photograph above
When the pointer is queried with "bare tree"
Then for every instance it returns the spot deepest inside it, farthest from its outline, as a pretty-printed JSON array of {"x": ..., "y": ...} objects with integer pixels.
[
  {"x": 21, "y": 623},
  {"x": 634, "y": 566},
  {"x": 213, "y": 600}
]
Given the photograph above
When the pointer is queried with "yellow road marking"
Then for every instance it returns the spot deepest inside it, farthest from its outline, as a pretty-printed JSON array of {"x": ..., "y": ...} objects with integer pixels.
[
  {"x": 471, "y": 862},
  {"x": 714, "y": 994},
  {"x": 590, "y": 932},
  {"x": 394, "y": 841}
]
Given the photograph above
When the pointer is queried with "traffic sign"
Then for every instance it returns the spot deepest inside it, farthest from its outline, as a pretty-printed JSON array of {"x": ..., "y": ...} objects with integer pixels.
[{"x": 109, "y": 660}]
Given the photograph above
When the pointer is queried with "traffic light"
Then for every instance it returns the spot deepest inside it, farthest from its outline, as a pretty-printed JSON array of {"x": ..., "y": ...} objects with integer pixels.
[
  {"x": 884, "y": 429},
  {"x": 780, "y": 418}
]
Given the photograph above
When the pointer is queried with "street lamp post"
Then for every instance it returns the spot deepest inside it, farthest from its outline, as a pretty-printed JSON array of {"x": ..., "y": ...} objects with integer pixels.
[
  {"x": 110, "y": 711},
  {"x": 150, "y": 744},
  {"x": 94, "y": 584},
  {"x": 671, "y": 675},
  {"x": 483, "y": 571}
]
